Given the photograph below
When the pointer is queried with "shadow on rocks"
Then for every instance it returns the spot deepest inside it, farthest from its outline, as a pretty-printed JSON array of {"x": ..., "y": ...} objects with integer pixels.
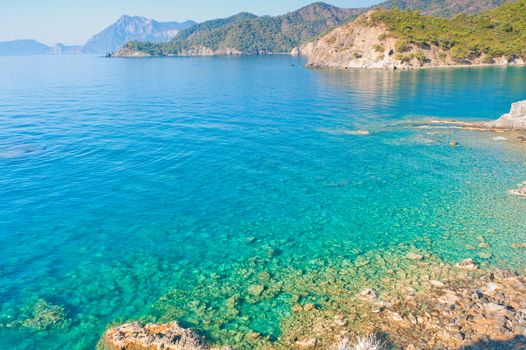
[{"x": 519, "y": 342}]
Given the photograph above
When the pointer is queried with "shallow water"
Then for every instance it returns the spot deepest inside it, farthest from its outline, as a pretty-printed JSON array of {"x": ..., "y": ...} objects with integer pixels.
[{"x": 149, "y": 188}]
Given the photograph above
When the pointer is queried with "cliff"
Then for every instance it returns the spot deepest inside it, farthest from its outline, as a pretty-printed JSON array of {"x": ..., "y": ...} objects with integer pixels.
[{"x": 397, "y": 39}]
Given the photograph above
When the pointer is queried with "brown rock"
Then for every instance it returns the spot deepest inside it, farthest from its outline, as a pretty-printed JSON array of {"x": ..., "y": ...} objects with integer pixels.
[
  {"x": 467, "y": 264},
  {"x": 168, "y": 336}
]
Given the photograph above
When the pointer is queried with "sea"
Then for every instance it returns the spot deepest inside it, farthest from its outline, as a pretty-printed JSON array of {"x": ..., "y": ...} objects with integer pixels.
[{"x": 200, "y": 189}]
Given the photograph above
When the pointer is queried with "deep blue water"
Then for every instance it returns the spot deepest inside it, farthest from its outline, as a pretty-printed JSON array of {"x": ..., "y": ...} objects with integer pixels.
[{"x": 123, "y": 180}]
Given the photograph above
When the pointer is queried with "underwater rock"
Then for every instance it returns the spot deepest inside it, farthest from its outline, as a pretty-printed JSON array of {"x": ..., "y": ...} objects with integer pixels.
[
  {"x": 414, "y": 256},
  {"x": 168, "y": 336},
  {"x": 256, "y": 289},
  {"x": 42, "y": 316}
]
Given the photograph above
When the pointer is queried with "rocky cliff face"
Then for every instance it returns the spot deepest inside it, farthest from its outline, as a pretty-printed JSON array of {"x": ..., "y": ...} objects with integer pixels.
[
  {"x": 516, "y": 119},
  {"x": 368, "y": 43}
]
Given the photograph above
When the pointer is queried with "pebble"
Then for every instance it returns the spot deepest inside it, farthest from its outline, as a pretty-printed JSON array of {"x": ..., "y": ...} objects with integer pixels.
[{"x": 414, "y": 256}]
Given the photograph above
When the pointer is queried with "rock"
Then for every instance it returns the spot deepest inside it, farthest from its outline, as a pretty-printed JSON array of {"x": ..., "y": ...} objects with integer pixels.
[
  {"x": 520, "y": 191},
  {"x": 516, "y": 119},
  {"x": 521, "y": 138},
  {"x": 396, "y": 317},
  {"x": 485, "y": 255},
  {"x": 358, "y": 132},
  {"x": 367, "y": 294},
  {"x": 340, "y": 320},
  {"x": 307, "y": 343},
  {"x": 467, "y": 264},
  {"x": 437, "y": 284},
  {"x": 168, "y": 336},
  {"x": 264, "y": 276},
  {"x": 414, "y": 256},
  {"x": 309, "y": 307},
  {"x": 450, "y": 298},
  {"x": 256, "y": 289},
  {"x": 494, "y": 308}
]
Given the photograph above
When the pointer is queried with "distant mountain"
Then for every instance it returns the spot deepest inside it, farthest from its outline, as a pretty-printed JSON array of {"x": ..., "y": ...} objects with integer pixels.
[
  {"x": 133, "y": 28},
  {"x": 443, "y": 8},
  {"x": 33, "y": 47},
  {"x": 248, "y": 34},
  {"x": 61, "y": 49},
  {"x": 23, "y": 47}
]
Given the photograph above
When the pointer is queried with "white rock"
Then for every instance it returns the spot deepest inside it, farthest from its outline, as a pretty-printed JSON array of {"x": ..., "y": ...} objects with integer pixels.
[{"x": 516, "y": 119}]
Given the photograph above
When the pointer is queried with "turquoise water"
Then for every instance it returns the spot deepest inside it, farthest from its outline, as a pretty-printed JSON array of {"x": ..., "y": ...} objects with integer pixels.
[{"x": 149, "y": 188}]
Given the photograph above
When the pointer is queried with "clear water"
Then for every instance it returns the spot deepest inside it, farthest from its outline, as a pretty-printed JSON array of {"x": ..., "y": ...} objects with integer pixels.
[{"x": 141, "y": 189}]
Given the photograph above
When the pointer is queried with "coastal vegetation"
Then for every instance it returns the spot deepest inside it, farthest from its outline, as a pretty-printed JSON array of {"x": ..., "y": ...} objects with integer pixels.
[
  {"x": 408, "y": 39},
  {"x": 494, "y": 33},
  {"x": 249, "y": 34}
]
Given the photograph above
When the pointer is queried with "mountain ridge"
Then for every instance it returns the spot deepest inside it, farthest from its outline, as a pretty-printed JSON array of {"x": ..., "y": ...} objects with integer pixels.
[
  {"x": 129, "y": 28},
  {"x": 248, "y": 34}
]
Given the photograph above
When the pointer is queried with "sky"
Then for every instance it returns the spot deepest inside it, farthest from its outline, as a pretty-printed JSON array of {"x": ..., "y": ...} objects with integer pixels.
[{"x": 75, "y": 21}]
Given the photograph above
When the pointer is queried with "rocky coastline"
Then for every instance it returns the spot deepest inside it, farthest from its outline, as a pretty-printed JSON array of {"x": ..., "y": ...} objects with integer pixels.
[
  {"x": 473, "y": 308},
  {"x": 420, "y": 303}
]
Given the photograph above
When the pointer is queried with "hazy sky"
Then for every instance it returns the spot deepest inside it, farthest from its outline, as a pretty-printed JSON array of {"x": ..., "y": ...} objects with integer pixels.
[{"x": 74, "y": 21}]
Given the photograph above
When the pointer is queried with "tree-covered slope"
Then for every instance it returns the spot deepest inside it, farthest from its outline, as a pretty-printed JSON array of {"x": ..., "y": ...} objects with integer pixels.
[
  {"x": 443, "y": 8},
  {"x": 250, "y": 34},
  {"x": 494, "y": 33},
  {"x": 404, "y": 39}
]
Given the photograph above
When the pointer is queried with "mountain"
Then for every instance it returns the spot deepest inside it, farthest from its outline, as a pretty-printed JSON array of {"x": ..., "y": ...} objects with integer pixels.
[
  {"x": 61, "y": 49},
  {"x": 248, "y": 34},
  {"x": 406, "y": 39},
  {"x": 133, "y": 28},
  {"x": 442, "y": 8},
  {"x": 23, "y": 47}
]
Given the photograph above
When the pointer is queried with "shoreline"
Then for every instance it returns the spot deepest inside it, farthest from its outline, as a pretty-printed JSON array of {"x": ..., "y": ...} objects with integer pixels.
[
  {"x": 434, "y": 305},
  {"x": 405, "y": 68}
]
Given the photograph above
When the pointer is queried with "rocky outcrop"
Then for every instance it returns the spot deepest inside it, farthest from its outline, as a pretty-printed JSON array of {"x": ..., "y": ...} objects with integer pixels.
[
  {"x": 368, "y": 43},
  {"x": 516, "y": 119},
  {"x": 168, "y": 336},
  {"x": 355, "y": 45}
]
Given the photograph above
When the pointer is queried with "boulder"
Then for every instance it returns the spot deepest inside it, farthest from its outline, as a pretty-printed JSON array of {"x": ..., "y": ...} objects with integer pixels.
[
  {"x": 168, "y": 336},
  {"x": 516, "y": 119}
]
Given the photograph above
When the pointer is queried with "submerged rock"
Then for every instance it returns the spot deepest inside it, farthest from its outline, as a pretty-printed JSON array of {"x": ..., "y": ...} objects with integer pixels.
[
  {"x": 516, "y": 119},
  {"x": 168, "y": 336},
  {"x": 256, "y": 290}
]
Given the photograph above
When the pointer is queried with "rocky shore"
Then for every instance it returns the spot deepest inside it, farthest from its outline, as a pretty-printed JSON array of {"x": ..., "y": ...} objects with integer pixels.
[{"x": 472, "y": 309}]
